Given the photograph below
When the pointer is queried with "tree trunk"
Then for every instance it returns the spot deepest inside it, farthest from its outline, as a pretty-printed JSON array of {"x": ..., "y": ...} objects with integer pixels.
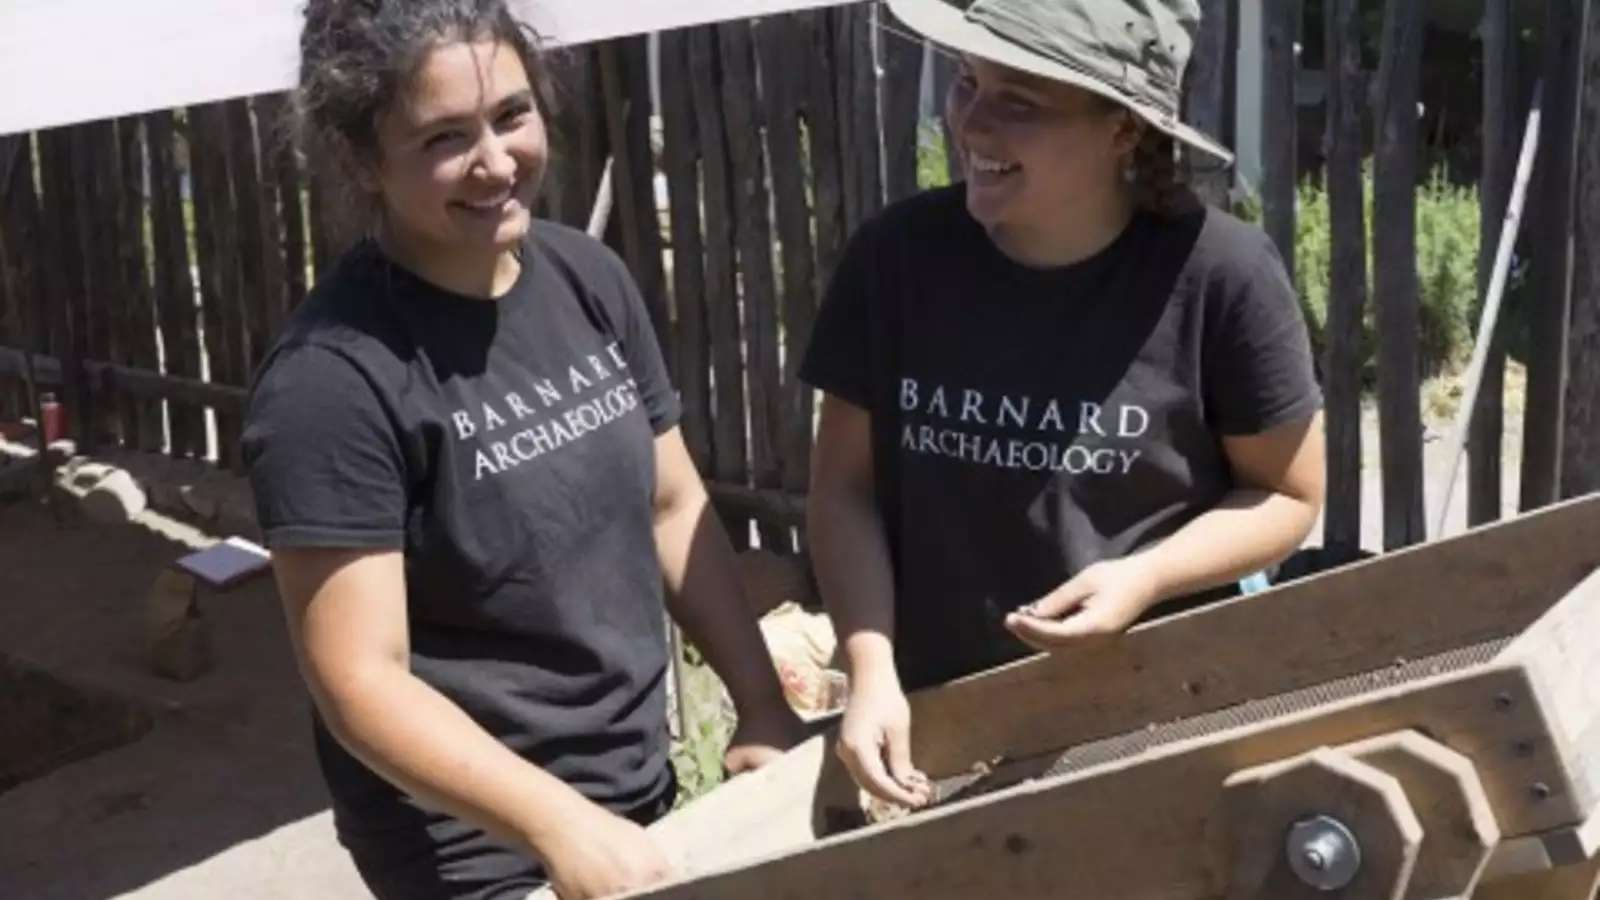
[
  {"x": 1347, "y": 293},
  {"x": 1395, "y": 264}
]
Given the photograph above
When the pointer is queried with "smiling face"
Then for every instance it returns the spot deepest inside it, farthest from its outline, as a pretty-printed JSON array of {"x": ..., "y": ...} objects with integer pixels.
[
  {"x": 461, "y": 154},
  {"x": 1037, "y": 153}
]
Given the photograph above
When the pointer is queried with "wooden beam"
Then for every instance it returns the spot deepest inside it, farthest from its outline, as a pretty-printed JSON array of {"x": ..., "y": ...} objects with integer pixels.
[
  {"x": 1347, "y": 271},
  {"x": 1395, "y": 283},
  {"x": 1280, "y": 124},
  {"x": 107, "y": 377},
  {"x": 1580, "y": 465},
  {"x": 1142, "y": 826},
  {"x": 1501, "y": 107},
  {"x": 1565, "y": 35},
  {"x": 159, "y": 54},
  {"x": 1356, "y": 627}
]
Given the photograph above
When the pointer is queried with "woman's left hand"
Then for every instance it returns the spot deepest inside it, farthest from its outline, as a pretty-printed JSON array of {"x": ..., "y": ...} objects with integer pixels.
[
  {"x": 1103, "y": 599},
  {"x": 760, "y": 739}
]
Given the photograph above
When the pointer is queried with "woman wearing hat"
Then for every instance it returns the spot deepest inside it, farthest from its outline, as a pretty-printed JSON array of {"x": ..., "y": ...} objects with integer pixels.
[{"x": 1059, "y": 394}]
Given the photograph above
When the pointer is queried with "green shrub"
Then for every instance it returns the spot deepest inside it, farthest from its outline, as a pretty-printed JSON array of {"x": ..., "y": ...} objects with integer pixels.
[{"x": 1447, "y": 265}]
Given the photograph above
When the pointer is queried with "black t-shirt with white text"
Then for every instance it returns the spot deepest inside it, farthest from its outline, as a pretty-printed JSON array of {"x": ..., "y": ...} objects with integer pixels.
[
  {"x": 1027, "y": 423},
  {"x": 507, "y": 448}
]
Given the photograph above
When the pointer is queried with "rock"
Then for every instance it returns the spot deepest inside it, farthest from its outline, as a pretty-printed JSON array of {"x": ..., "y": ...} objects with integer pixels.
[
  {"x": 115, "y": 499},
  {"x": 178, "y": 639}
]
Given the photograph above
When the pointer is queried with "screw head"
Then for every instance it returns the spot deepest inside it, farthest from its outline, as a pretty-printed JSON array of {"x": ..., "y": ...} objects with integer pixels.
[
  {"x": 1539, "y": 790},
  {"x": 1503, "y": 701}
]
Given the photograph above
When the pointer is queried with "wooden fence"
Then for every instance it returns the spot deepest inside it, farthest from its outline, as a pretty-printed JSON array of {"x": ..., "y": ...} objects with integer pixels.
[
  {"x": 150, "y": 260},
  {"x": 147, "y": 262}
]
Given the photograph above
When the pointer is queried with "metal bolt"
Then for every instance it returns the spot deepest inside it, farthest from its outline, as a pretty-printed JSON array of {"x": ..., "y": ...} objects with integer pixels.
[
  {"x": 1324, "y": 853},
  {"x": 1539, "y": 790}
]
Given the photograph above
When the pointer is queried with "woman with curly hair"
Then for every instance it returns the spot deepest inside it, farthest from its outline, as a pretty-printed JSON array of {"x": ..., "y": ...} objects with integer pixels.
[{"x": 466, "y": 459}]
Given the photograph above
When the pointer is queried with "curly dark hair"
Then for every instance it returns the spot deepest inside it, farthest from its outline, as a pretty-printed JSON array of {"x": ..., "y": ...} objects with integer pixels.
[
  {"x": 356, "y": 56},
  {"x": 1159, "y": 184}
]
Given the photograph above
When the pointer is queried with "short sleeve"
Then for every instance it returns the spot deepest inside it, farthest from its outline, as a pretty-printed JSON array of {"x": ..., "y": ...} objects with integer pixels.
[
  {"x": 1258, "y": 367},
  {"x": 325, "y": 463},
  {"x": 838, "y": 359},
  {"x": 642, "y": 350}
]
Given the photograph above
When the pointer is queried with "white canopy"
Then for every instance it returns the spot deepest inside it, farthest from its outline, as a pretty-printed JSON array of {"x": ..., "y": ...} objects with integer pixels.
[{"x": 68, "y": 61}]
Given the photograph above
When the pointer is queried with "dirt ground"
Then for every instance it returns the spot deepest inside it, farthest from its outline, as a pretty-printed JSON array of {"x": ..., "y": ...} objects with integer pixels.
[{"x": 221, "y": 797}]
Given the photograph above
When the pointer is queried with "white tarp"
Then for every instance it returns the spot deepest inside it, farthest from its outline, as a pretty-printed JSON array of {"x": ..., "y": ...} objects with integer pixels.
[{"x": 67, "y": 61}]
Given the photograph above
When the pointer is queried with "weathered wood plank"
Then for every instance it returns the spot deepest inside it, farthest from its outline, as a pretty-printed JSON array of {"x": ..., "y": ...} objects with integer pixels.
[
  {"x": 1347, "y": 271},
  {"x": 289, "y": 184},
  {"x": 107, "y": 377},
  {"x": 1135, "y": 827},
  {"x": 1550, "y": 321},
  {"x": 826, "y": 144},
  {"x": 1532, "y": 576},
  {"x": 753, "y": 229},
  {"x": 1280, "y": 25},
  {"x": 137, "y": 255},
  {"x": 1580, "y": 465},
  {"x": 98, "y": 191},
  {"x": 783, "y": 44},
  {"x": 900, "y": 96},
  {"x": 865, "y": 149},
  {"x": 1206, "y": 86},
  {"x": 62, "y": 209},
  {"x": 217, "y": 247},
  {"x": 1396, "y": 292},
  {"x": 729, "y": 460},
  {"x": 1501, "y": 117},
  {"x": 625, "y": 78},
  {"x": 680, "y": 155},
  {"x": 260, "y": 254}
]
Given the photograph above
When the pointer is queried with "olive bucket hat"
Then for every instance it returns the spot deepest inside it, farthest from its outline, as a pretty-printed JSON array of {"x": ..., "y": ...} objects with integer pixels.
[{"x": 1130, "y": 51}]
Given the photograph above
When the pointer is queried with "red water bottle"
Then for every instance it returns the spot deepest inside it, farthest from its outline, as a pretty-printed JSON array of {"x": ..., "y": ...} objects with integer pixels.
[{"x": 54, "y": 416}]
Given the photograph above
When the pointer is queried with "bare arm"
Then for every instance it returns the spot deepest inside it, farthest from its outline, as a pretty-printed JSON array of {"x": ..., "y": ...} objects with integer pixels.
[
  {"x": 1280, "y": 480},
  {"x": 347, "y": 622},
  {"x": 706, "y": 599},
  {"x": 850, "y": 552},
  {"x": 848, "y": 546}
]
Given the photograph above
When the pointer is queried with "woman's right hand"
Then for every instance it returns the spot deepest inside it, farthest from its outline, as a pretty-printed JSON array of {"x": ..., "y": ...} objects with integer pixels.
[
  {"x": 875, "y": 744},
  {"x": 605, "y": 854}
]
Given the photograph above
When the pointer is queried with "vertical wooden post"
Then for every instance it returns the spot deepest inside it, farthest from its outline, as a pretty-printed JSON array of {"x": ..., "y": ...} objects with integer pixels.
[
  {"x": 824, "y": 127},
  {"x": 1565, "y": 30},
  {"x": 898, "y": 98},
  {"x": 757, "y": 280},
  {"x": 1347, "y": 273},
  {"x": 1280, "y": 32},
  {"x": 680, "y": 155},
  {"x": 1205, "y": 88},
  {"x": 782, "y": 43},
  {"x": 1395, "y": 263},
  {"x": 174, "y": 284},
  {"x": 1580, "y": 465},
  {"x": 19, "y": 216},
  {"x": 138, "y": 271},
  {"x": 216, "y": 243},
  {"x": 1500, "y": 134},
  {"x": 730, "y": 462}
]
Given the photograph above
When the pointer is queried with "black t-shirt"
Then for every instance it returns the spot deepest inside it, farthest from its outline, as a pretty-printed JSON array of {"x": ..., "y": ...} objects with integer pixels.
[
  {"x": 1027, "y": 423},
  {"x": 507, "y": 448}
]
